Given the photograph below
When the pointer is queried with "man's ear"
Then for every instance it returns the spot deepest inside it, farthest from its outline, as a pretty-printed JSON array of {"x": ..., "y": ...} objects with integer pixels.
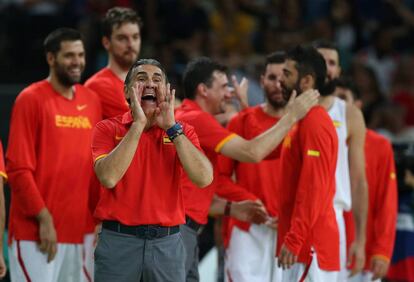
[
  {"x": 106, "y": 43},
  {"x": 262, "y": 80},
  {"x": 201, "y": 90},
  {"x": 358, "y": 104},
  {"x": 50, "y": 58},
  {"x": 127, "y": 92},
  {"x": 307, "y": 82}
]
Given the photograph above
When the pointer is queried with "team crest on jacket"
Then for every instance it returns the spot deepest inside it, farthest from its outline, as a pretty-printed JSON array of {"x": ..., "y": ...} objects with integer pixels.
[{"x": 166, "y": 140}]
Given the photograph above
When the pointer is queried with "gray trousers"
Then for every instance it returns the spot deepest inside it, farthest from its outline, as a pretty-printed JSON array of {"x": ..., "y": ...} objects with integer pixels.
[
  {"x": 127, "y": 258},
  {"x": 190, "y": 239}
]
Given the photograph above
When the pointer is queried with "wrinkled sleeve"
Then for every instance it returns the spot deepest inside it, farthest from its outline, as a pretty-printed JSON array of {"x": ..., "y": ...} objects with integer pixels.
[
  {"x": 103, "y": 139},
  {"x": 21, "y": 154},
  {"x": 227, "y": 188},
  {"x": 385, "y": 211},
  {"x": 314, "y": 188}
]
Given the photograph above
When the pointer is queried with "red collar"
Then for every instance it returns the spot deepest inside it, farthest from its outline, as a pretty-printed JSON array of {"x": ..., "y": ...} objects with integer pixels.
[{"x": 190, "y": 105}]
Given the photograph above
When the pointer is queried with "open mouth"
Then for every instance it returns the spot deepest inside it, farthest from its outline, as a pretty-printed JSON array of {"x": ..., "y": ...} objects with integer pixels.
[{"x": 149, "y": 97}]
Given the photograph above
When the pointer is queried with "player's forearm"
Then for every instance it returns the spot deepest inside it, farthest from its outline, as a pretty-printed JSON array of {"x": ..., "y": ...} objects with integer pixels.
[
  {"x": 220, "y": 206},
  {"x": 44, "y": 216},
  {"x": 232, "y": 191},
  {"x": 385, "y": 225},
  {"x": 196, "y": 165},
  {"x": 360, "y": 209},
  {"x": 311, "y": 196},
  {"x": 217, "y": 206},
  {"x": 303, "y": 219},
  {"x": 25, "y": 191},
  {"x": 112, "y": 167},
  {"x": 293, "y": 242},
  {"x": 261, "y": 146},
  {"x": 228, "y": 188}
]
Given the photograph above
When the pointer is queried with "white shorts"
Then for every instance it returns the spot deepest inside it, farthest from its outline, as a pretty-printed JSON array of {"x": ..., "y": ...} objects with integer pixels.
[
  {"x": 343, "y": 272},
  {"x": 251, "y": 256},
  {"x": 88, "y": 257},
  {"x": 365, "y": 276},
  {"x": 315, "y": 274},
  {"x": 27, "y": 263}
]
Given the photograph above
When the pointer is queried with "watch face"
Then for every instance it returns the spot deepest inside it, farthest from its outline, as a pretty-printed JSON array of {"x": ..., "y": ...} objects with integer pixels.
[
  {"x": 176, "y": 128},
  {"x": 175, "y": 131}
]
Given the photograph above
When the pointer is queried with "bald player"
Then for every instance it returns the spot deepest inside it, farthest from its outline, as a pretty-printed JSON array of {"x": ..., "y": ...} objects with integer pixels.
[{"x": 351, "y": 183}]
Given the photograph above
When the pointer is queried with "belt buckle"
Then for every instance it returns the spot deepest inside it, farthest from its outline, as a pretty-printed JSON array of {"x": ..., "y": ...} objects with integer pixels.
[{"x": 151, "y": 232}]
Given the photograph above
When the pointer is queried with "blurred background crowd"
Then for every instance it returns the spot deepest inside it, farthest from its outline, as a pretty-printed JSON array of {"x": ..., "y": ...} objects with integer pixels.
[{"x": 375, "y": 39}]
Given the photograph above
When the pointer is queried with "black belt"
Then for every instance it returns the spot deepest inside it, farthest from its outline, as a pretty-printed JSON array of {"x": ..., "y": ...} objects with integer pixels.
[
  {"x": 149, "y": 232},
  {"x": 192, "y": 224}
]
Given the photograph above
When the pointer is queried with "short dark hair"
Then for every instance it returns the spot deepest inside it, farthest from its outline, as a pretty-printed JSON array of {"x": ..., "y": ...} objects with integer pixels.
[
  {"x": 308, "y": 61},
  {"x": 53, "y": 40},
  {"x": 325, "y": 44},
  {"x": 117, "y": 16},
  {"x": 347, "y": 83},
  {"x": 200, "y": 70},
  {"x": 140, "y": 62},
  {"x": 278, "y": 57}
]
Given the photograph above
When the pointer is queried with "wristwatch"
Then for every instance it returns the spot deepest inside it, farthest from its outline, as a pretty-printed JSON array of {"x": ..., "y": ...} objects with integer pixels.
[{"x": 175, "y": 131}]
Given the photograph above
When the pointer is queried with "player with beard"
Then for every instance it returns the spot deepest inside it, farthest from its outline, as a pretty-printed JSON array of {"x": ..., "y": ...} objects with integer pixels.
[
  {"x": 49, "y": 166},
  {"x": 308, "y": 239},
  {"x": 140, "y": 158},
  {"x": 122, "y": 40},
  {"x": 351, "y": 183},
  {"x": 206, "y": 87},
  {"x": 250, "y": 254}
]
